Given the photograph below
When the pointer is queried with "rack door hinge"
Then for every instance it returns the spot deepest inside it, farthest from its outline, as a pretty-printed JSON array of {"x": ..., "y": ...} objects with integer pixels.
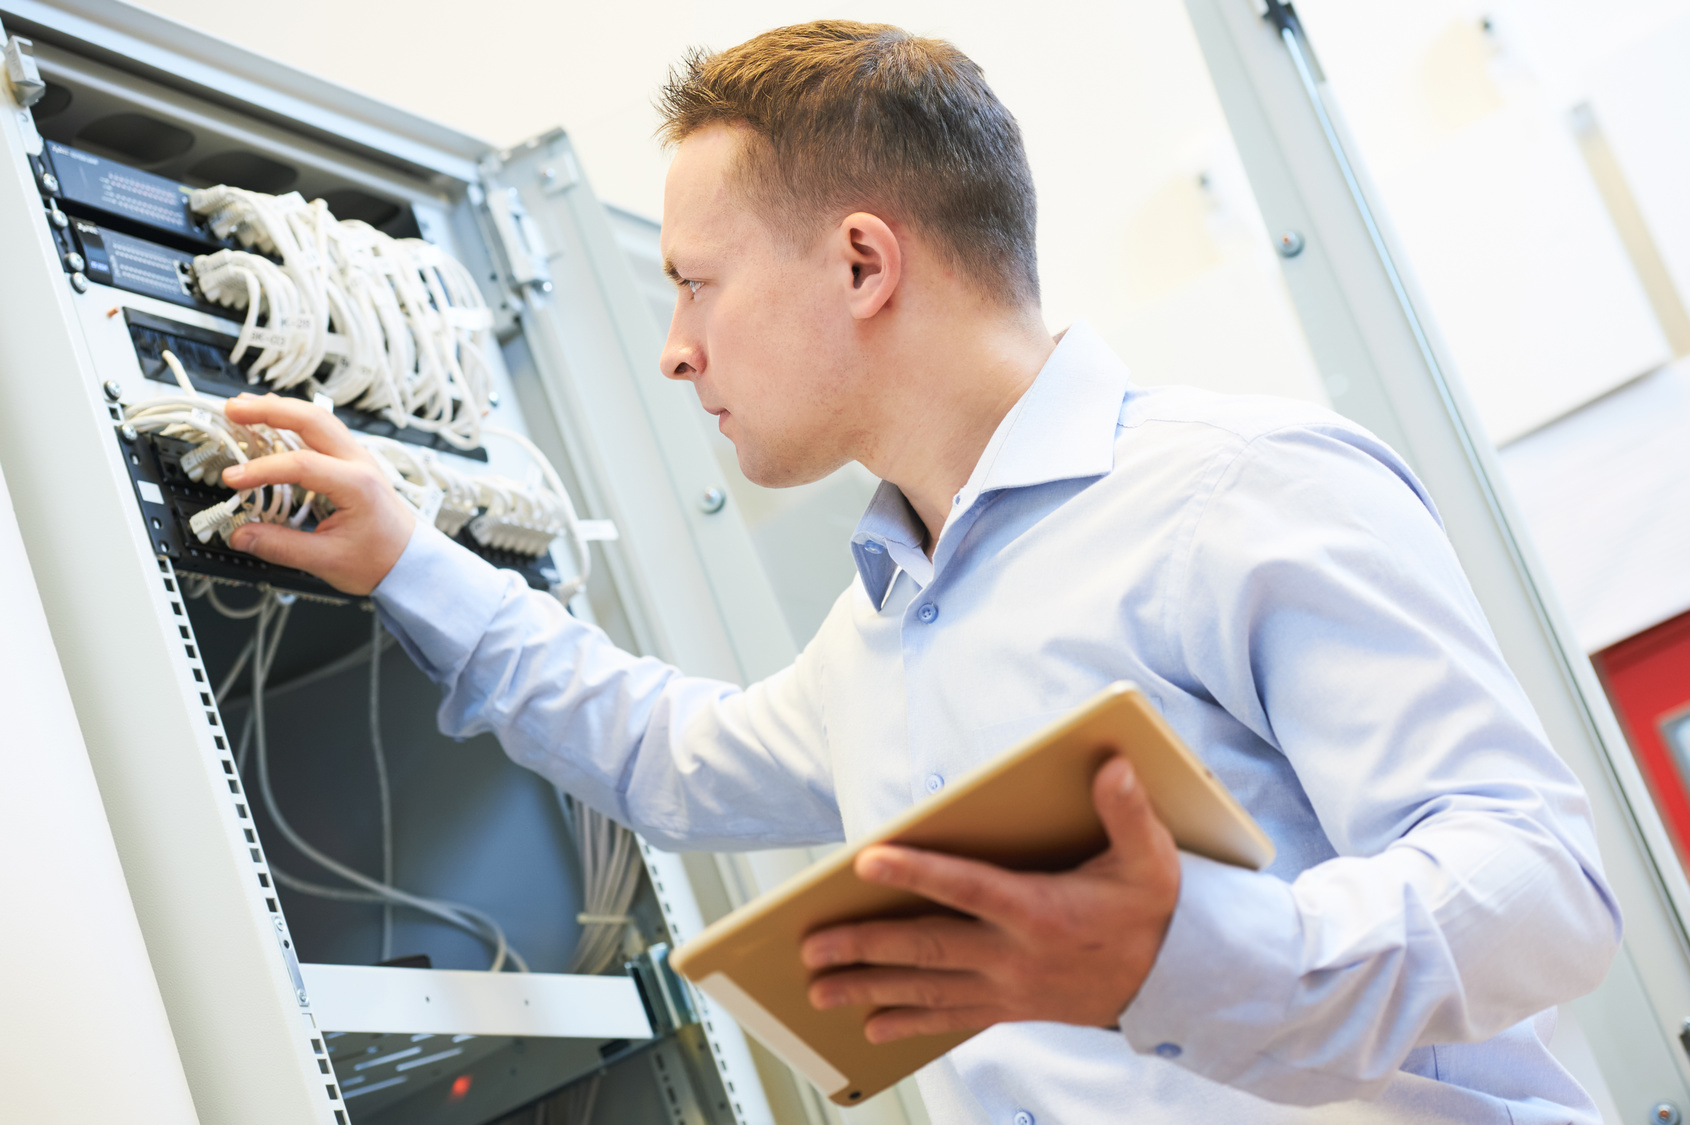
[
  {"x": 667, "y": 1001},
  {"x": 526, "y": 257}
]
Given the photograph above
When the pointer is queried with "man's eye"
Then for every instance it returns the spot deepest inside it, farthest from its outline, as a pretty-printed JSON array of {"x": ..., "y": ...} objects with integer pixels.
[{"x": 693, "y": 285}]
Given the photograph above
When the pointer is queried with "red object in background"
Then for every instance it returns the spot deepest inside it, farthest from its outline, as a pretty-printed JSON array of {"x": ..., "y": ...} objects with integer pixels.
[
  {"x": 1648, "y": 682},
  {"x": 460, "y": 1088}
]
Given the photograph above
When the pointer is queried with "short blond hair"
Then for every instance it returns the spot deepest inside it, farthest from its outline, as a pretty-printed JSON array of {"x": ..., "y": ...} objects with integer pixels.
[{"x": 856, "y": 116}]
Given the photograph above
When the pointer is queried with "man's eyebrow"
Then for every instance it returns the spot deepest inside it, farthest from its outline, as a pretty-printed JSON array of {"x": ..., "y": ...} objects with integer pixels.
[{"x": 670, "y": 271}]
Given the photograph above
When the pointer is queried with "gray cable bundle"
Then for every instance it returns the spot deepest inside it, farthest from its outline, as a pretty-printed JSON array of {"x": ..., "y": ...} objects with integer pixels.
[{"x": 610, "y": 874}]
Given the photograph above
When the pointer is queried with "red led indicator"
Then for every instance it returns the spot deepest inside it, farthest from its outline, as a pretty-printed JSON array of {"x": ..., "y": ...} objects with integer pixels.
[{"x": 460, "y": 1088}]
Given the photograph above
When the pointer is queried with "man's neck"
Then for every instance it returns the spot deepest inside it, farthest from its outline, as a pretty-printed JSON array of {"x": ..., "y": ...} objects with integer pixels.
[{"x": 945, "y": 393}]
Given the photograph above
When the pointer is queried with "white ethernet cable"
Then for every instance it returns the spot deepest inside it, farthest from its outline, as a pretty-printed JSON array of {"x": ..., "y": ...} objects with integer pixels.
[
  {"x": 411, "y": 327},
  {"x": 384, "y": 791},
  {"x": 608, "y": 853},
  {"x": 500, "y": 512},
  {"x": 464, "y": 917},
  {"x": 513, "y": 516},
  {"x": 194, "y": 417}
]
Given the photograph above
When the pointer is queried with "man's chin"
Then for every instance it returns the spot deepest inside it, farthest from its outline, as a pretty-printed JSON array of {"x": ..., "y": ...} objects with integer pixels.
[{"x": 776, "y": 471}]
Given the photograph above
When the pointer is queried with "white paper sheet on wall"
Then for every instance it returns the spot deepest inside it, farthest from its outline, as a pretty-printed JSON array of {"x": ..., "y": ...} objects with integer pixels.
[
  {"x": 1500, "y": 219},
  {"x": 1606, "y": 496}
]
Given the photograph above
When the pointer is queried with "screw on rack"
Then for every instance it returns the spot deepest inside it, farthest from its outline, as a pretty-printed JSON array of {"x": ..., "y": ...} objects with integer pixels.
[
  {"x": 79, "y": 281},
  {"x": 113, "y": 390},
  {"x": 1289, "y": 244},
  {"x": 129, "y": 433},
  {"x": 49, "y": 182},
  {"x": 1665, "y": 1113},
  {"x": 712, "y": 501},
  {"x": 74, "y": 261}
]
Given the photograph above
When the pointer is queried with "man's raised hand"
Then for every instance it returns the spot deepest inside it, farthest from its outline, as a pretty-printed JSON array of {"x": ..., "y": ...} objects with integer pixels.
[{"x": 354, "y": 548}]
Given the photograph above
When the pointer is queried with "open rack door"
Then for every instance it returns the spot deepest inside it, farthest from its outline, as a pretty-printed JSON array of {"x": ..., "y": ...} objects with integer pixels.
[
  {"x": 683, "y": 581},
  {"x": 685, "y": 569}
]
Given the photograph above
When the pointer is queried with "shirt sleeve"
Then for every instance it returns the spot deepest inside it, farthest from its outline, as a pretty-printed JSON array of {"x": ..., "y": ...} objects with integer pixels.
[
  {"x": 1324, "y": 608},
  {"x": 687, "y": 762}
]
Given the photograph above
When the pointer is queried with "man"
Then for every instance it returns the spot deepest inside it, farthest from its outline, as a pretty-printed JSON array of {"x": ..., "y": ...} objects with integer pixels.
[{"x": 849, "y": 221}]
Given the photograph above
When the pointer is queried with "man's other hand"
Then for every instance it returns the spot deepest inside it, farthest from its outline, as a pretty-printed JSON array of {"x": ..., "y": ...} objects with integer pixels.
[
  {"x": 358, "y": 544},
  {"x": 1073, "y": 947}
]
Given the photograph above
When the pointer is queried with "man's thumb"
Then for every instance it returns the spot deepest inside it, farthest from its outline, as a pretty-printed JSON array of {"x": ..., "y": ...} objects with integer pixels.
[
  {"x": 283, "y": 546},
  {"x": 1136, "y": 835}
]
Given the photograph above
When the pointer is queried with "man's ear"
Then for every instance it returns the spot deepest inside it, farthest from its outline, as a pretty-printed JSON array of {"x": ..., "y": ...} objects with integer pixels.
[{"x": 875, "y": 261}]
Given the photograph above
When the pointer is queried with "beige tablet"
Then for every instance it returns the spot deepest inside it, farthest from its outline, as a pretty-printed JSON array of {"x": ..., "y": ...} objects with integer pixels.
[{"x": 1029, "y": 809}]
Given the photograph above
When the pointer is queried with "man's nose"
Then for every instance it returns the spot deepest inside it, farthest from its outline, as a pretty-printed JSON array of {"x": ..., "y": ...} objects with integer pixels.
[
  {"x": 681, "y": 359},
  {"x": 680, "y": 363}
]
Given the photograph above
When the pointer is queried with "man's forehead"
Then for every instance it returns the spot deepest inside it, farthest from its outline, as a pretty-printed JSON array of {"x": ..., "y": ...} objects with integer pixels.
[{"x": 700, "y": 208}]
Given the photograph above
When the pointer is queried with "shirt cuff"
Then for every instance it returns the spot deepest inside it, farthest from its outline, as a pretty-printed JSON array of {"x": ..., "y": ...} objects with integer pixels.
[
  {"x": 438, "y": 600},
  {"x": 1228, "y": 969}
]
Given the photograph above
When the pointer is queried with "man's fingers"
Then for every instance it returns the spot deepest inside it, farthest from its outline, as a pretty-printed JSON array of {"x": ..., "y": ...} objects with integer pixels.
[
  {"x": 967, "y": 885},
  {"x": 902, "y": 1023},
  {"x": 319, "y": 428},
  {"x": 928, "y": 943},
  {"x": 285, "y": 546},
  {"x": 900, "y": 988},
  {"x": 343, "y": 482},
  {"x": 1138, "y": 839}
]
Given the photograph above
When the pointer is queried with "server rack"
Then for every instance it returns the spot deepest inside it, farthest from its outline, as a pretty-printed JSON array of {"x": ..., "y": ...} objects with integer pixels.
[{"x": 275, "y": 1009}]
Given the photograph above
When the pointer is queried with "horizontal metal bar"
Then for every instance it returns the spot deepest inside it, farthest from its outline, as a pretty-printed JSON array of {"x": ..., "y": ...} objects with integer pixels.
[{"x": 458, "y": 1002}]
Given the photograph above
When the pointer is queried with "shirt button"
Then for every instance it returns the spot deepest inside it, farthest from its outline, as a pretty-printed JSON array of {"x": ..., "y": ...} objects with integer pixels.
[
  {"x": 1022, "y": 1117},
  {"x": 928, "y": 613},
  {"x": 872, "y": 547},
  {"x": 957, "y": 499},
  {"x": 1169, "y": 1050},
  {"x": 934, "y": 783}
]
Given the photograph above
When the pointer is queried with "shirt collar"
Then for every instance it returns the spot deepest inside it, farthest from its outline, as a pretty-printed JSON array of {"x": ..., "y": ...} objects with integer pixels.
[{"x": 1062, "y": 428}]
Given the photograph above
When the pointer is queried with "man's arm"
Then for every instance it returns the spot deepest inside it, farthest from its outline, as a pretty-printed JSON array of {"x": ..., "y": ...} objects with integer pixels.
[
  {"x": 688, "y": 762},
  {"x": 1324, "y": 608}
]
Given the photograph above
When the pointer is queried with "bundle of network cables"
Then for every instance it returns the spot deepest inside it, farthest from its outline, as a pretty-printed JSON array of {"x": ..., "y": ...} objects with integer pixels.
[
  {"x": 402, "y": 324},
  {"x": 499, "y": 511}
]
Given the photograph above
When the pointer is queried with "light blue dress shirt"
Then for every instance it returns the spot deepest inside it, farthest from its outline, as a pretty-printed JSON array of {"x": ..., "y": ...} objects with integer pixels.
[{"x": 1278, "y": 583}]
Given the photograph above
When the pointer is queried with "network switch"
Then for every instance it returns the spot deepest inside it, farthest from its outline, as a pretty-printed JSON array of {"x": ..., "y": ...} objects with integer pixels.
[
  {"x": 123, "y": 261},
  {"x": 205, "y": 353},
  {"x": 93, "y": 186}
]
